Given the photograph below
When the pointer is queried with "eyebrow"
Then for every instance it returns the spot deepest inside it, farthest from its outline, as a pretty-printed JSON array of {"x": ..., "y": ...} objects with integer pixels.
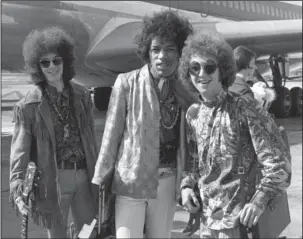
[{"x": 45, "y": 58}]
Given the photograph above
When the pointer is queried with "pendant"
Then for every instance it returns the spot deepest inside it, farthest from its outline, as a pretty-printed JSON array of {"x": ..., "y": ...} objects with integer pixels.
[{"x": 66, "y": 132}]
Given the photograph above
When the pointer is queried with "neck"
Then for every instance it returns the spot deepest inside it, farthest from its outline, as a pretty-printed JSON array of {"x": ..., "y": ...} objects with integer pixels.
[
  {"x": 58, "y": 85},
  {"x": 156, "y": 76},
  {"x": 208, "y": 97}
]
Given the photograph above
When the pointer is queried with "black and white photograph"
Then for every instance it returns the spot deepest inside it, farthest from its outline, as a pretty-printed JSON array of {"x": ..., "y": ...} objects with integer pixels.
[{"x": 151, "y": 119}]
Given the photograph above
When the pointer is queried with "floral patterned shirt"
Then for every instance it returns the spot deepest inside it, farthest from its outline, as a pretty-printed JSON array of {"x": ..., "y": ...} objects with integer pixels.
[
  {"x": 70, "y": 149},
  {"x": 212, "y": 138}
]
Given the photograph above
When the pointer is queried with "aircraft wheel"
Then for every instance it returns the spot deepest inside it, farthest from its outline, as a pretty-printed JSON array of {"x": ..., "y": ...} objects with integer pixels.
[
  {"x": 281, "y": 107},
  {"x": 296, "y": 98},
  {"x": 101, "y": 97}
]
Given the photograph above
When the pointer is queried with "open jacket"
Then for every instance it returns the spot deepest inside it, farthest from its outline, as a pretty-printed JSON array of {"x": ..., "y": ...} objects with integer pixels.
[
  {"x": 131, "y": 139},
  {"x": 34, "y": 140},
  {"x": 212, "y": 136}
]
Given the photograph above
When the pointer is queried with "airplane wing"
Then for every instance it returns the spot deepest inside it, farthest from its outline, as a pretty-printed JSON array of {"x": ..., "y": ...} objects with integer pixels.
[{"x": 263, "y": 37}]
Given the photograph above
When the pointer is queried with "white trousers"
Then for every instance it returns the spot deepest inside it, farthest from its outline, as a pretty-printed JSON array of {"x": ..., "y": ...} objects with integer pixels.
[{"x": 158, "y": 214}]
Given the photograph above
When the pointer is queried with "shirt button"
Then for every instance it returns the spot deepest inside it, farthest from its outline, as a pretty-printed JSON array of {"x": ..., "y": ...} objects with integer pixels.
[
  {"x": 246, "y": 189},
  {"x": 247, "y": 198}
]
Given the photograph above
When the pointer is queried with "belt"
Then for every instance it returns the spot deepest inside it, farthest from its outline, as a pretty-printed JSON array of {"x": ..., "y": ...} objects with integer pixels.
[{"x": 72, "y": 165}]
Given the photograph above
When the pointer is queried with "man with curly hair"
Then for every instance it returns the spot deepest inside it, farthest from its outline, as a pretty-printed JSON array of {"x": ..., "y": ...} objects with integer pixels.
[
  {"x": 229, "y": 139},
  {"x": 54, "y": 129},
  {"x": 144, "y": 132}
]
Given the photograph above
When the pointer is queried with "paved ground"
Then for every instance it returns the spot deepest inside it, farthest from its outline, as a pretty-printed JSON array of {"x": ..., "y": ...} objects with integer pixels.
[{"x": 11, "y": 224}]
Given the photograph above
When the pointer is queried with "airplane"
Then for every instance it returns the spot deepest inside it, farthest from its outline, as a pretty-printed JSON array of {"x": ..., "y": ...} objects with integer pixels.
[{"x": 104, "y": 33}]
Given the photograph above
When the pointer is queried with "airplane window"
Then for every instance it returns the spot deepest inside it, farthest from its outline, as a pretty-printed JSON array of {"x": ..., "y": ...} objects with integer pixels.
[
  {"x": 277, "y": 12},
  {"x": 236, "y": 5},
  {"x": 272, "y": 11},
  {"x": 281, "y": 13},
  {"x": 224, "y": 3},
  {"x": 218, "y": 3},
  {"x": 247, "y": 6},
  {"x": 242, "y": 5},
  {"x": 267, "y": 10},
  {"x": 258, "y": 8},
  {"x": 262, "y": 8},
  {"x": 231, "y": 4},
  {"x": 212, "y": 2},
  {"x": 252, "y": 6},
  {"x": 286, "y": 14}
]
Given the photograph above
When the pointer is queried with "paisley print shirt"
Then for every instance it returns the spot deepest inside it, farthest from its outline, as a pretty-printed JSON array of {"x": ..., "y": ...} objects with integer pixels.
[
  {"x": 212, "y": 138},
  {"x": 70, "y": 149}
]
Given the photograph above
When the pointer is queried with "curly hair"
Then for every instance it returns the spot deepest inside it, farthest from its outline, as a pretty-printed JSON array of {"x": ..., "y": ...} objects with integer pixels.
[
  {"x": 48, "y": 40},
  {"x": 243, "y": 56},
  {"x": 168, "y": 26},
  {"x": 208, "y": 42}
]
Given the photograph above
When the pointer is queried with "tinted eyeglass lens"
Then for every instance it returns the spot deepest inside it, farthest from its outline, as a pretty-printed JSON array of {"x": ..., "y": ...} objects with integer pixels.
[
  {"x": 195, "y": 68},
  {"x": 209, "y": 68},
  {"x": 45, "y": 63},
  {"x": 57, "y": 61}
]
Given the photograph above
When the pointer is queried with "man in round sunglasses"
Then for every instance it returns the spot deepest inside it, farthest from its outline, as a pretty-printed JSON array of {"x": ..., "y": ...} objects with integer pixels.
[
  {"x": 208, "y": 66},
  {"x": 54, "y": 128}
]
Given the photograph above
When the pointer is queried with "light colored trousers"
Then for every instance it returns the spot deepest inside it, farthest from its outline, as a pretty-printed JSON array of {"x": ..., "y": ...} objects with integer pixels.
[
  {"x": 157, "y": 214},
  {"x": 75, "y": 194}
]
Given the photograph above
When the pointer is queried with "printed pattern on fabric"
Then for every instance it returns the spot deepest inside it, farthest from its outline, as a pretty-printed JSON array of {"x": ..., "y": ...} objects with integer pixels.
[
  {"x": 212, "y": 138},
  {"x": 70, "y": 149}
]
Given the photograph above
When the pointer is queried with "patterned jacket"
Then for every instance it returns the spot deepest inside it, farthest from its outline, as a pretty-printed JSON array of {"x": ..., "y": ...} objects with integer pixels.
[
  {"x": 34, "y": 140},
  {"x": 212, "y": 137},
  {"x": 130, "y": 144}
]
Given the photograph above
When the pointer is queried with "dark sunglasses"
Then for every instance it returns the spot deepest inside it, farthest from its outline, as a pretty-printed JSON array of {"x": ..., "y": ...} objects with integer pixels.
[
  {"x": 209, "y": 67},
  {"x": 45, "y": 63}
]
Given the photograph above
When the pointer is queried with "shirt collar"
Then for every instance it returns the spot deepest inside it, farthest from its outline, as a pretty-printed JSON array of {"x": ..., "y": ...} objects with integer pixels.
[
  {"x": 55, "y": 94},
  {"x": 220, "y": 97}
]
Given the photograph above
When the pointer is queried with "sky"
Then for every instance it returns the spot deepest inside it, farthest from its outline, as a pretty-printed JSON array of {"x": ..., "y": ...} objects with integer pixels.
[{"x": 294, "y": 2}]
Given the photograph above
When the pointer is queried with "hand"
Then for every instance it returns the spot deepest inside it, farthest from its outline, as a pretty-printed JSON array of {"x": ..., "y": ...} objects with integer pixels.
[
  {"x": 188, "y": 199},
  {"x": 23, "y": 208},
  {"x": 250, "y": 214}
]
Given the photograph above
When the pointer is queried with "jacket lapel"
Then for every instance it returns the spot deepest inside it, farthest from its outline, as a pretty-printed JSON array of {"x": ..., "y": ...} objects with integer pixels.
[
  {"x": 77, "y": 101},
  {"x": 44, "y": 110}
]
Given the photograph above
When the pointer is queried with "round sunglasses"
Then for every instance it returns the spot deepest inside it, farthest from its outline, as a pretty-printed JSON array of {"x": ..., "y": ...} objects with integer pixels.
[
  {"x": 45, "y": 63},
  {"x": 209, "y": 67}
]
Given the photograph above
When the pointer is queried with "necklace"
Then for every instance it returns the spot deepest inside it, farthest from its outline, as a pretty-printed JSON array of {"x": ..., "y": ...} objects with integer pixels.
[{"x": 64, "y": 121}]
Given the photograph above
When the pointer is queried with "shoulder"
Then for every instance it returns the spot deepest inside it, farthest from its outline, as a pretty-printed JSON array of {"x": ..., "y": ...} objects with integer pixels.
[
  {"x": 192, "y": 112},
  {"x": 240, "y": 87},
  {"x": 125, "y": 79},
  {"x": 79, "y": 89}
]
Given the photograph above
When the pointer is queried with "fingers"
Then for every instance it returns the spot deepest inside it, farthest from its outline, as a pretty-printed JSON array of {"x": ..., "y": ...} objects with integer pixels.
[
  {"x": 23, "y": 208},
  {"x": 255, "y": 220},
  {"x": 249, "y": 216}
]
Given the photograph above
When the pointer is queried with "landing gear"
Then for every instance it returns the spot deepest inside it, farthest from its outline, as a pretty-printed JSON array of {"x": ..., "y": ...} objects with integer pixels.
[
  {"x": 101, "y": 97},
  {"x": 296, "y": 99},
  {"x": 282, "y": 106}
]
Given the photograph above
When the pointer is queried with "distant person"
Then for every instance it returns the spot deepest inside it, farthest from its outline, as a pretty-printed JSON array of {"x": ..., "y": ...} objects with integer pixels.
[
  {"x": 245, "y": 67},
  {"x": 249, "y": 82},
  {"x": 143, "y": 138},
  {"x": 207, "y": 64},
  {"x": 54, "y": 128}
]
